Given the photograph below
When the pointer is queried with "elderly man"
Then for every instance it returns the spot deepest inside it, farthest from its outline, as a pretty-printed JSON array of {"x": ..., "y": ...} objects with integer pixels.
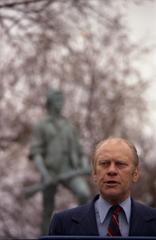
[{"x": 113, "y": 212}]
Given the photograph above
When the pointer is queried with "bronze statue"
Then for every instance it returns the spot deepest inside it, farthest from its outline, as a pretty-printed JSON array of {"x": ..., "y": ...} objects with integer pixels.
[{"x": 56, "y": 151}]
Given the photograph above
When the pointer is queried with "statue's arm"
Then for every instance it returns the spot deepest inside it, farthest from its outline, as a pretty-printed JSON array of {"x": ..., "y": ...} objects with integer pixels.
[
  {"x": 42, "y": 168},
  {"x": 37, "y": 149}
]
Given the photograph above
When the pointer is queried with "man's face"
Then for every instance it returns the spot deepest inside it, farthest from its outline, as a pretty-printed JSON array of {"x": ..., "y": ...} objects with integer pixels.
[{"x": 115, "y": 171}]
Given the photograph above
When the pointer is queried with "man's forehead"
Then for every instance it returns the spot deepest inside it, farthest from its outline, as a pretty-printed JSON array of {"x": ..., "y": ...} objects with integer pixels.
[{"x": 116, "y": 148}]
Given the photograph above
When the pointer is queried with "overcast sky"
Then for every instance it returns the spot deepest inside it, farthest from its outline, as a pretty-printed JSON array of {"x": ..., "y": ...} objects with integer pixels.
[{"x": 141, "y": 20}]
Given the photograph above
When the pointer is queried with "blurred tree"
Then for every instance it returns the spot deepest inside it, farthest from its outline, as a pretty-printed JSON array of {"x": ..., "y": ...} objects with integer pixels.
[{"x": 82, "y": 47}]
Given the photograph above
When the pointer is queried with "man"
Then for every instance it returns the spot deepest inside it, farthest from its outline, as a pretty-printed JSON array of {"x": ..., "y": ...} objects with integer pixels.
[
  {"x": 56, "y": 149},
  {"x": 113, "y": 212}
]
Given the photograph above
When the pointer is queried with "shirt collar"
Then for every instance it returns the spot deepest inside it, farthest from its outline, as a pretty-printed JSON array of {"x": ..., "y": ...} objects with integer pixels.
[
  {"x": 126, "y": 205},
  {"x": 103, "y": 207}
]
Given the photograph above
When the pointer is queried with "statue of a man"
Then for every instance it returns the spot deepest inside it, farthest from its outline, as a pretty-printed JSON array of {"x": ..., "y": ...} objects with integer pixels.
[{"x": 56, "y": 149}]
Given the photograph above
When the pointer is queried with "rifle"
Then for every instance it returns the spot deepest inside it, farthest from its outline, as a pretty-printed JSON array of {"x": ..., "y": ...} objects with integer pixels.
[{"x": 31, "y": 190}]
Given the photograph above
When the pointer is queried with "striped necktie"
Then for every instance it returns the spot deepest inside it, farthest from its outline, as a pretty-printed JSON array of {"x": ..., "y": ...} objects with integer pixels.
[{"x": 113, "y": 227}]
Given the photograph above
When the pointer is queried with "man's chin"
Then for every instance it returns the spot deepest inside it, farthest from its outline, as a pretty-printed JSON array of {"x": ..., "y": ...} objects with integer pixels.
[{"x": 111, "y": 195}]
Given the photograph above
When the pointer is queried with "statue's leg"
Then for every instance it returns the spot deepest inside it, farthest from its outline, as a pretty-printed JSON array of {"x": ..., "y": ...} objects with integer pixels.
[
  {"x": 79, "y": 188},
  {"x": 48, "y": 207}
]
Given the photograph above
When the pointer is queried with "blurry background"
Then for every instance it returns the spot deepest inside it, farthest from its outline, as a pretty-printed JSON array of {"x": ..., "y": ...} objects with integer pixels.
[{"x": 101, "y": 54}]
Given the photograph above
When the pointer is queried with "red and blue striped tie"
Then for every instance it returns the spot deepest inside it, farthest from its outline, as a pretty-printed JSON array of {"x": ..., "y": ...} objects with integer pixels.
[{"x": 113, "y": 227}]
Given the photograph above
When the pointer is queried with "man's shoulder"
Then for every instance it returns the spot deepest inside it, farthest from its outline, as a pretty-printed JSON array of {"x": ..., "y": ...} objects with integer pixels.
[
  {"x": 76, "y": 211},
  {"x": 142, "y": 207},
  {"x": 73, "y": 221}
]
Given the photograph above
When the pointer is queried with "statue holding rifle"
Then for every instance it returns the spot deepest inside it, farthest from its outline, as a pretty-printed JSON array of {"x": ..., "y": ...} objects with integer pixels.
[{"x": 56, "y": 151}]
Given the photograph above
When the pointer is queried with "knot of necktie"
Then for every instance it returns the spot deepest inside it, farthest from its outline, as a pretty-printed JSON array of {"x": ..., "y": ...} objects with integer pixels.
[{"x": 116, "y": 209}]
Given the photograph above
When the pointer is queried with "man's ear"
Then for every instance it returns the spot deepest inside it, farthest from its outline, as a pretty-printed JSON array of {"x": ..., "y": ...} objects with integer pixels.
[{"x": 136, "y": 174}]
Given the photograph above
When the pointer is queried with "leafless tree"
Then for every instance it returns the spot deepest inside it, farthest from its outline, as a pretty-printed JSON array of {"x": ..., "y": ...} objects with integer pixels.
[{"x": 82, "y": 47}]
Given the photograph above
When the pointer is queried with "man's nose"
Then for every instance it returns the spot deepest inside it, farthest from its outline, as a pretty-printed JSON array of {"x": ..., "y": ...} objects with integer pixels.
[{"x": 112, "y": 169}]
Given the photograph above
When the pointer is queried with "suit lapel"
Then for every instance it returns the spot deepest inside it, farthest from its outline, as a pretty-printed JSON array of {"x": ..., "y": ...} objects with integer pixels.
[
  {"x": 139, "y": 220},
  {"x": 86, "y": 223}
]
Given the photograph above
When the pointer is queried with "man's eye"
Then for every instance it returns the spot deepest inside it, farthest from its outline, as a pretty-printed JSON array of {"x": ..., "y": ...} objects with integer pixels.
[
  {"x": 104, "y": 163},
  {"x": 121, "y": 164}
]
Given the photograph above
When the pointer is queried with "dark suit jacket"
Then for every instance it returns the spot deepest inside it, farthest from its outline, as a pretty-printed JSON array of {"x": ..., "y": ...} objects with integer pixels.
[{"x": 81, "y": 221}]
